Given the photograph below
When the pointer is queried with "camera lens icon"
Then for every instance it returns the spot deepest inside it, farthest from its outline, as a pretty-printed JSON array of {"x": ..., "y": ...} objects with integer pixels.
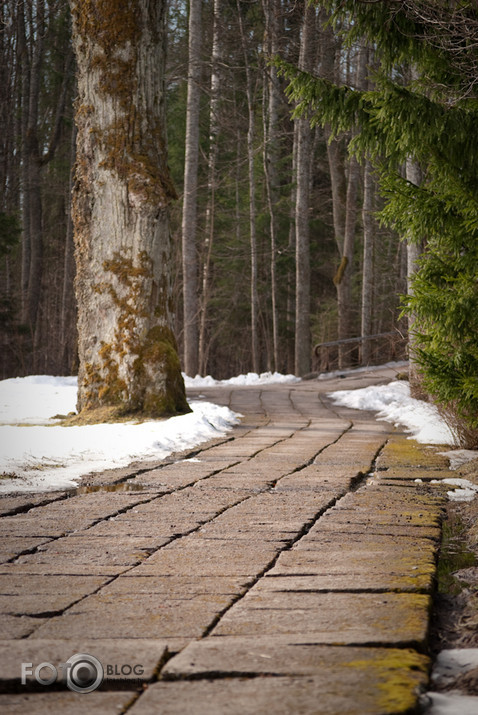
[{"x": 84, "y": 673}]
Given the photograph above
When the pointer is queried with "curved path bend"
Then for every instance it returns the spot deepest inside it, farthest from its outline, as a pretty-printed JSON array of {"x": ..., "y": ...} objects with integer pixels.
[{"x": 285, "y": 568}]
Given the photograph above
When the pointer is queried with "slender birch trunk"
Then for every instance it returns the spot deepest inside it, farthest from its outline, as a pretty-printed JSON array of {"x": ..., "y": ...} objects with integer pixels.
[
  {"x": 252, "y": 200},
  {"x": 343, "y": 278},
  {"x": 127, "y": 351},
  {"x": 414, "y": 251},
  {"x": 189, "y": 220},
  {"x": 32, "y": 246},
  {"x": 271, "y": 158},
  {"x": 368, "y": 263},
  {"x": 215, "y": 86},
  {"x": 302, "y": 238}
]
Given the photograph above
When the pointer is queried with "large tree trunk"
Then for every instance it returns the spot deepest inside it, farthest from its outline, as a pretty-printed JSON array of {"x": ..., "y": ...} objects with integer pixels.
[
  {"x": 189, "y": 220},
  {"x": 128, "y": 358}
]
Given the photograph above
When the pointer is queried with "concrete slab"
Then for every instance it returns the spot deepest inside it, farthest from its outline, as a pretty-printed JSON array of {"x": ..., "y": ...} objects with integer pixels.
[
  {"x": 378, "y": 580},
  {"x": 208, "y": 557},
  {"x": 327, "y": 693},
  {"x": 12, "y": 626},
  {"x": 107, "y": 557},
  {"x": 402, "y": 452},
  {"x": 39, "y": 606},
  {"x": 136, "y": 616},
  {"x": 397, "y": 619},
  {"x": 364, "y": 523},
  {"x": 281, "y": 655},
  {"x": 67, "y": 703},
  {"x": 23, "y": 526},
  {"x": 65, "y": 566},
  {"x": 177, "y": 586},
  {"x": 16, "y": 585},
  {"x": 11, "y": 504},
  {"x": 11, "y": 546}
]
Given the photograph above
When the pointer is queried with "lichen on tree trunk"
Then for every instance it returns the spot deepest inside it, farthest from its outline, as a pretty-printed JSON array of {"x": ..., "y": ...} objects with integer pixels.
[{"x": 120, "y": 209}]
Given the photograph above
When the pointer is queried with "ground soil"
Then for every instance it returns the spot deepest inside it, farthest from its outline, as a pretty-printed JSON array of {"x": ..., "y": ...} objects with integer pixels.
[{"x": 455, "y": 617}]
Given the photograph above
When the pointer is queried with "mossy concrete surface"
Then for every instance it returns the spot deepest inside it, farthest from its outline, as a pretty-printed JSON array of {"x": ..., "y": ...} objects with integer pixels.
[{"x": 286, "y": 568}]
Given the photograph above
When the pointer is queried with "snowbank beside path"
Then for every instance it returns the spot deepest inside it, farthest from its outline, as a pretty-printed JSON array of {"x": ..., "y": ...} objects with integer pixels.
[
  {"x": 393, "y": 403},
  {"x": 252, "y": 378},
  {"x": 38, "y": 454}
]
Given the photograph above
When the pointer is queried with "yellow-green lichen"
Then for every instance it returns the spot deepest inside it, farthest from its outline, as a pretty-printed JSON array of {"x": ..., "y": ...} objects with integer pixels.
[
  {"x": 398, "y": 675},
  {"x": 402, "y": 452},
  {"x": 151, "y": 382}
]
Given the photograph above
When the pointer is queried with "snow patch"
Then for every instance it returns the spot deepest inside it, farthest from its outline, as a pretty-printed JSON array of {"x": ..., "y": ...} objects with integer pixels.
[
  {"x": 38, "y": 454},
  {"x": 450, "y": 704},
  {"x": 36, "y": 399},
  {"x": 252, "y": 378},
  {"x": 393, "y": 403},
  {"x": 458, "y": 457},
  {"x": 466, "y": 490},
  {"x": 451, "y": 663}
]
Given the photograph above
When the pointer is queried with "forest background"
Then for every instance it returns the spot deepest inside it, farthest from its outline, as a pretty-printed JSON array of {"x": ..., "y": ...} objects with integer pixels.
[{"x": 276, "y": 244}]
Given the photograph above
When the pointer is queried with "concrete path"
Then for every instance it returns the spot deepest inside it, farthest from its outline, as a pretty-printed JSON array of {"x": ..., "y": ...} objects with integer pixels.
[{"x": 287, "y": 568}]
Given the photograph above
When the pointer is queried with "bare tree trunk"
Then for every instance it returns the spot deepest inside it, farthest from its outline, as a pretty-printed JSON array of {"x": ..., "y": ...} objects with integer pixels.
[
  {"x": 189, "y": 222},
  {"x": 271, "y": 157},
  {"x": 24, "y": 63},
  {"x": 127, "y": 351},
  {"x": 252, "y": 201},
  {"x": 343, "y": 278},
  {"x": 211, "y": 181},
  {"x": 68, "y": 313},
  {"x": 290, "y": 308},
  {"x": 368, "y": 266},
  {"x": 302, "y": 240},
  {"x": 330, "y": 61},
  {"x": 35, "y": 28},
  {"x": 414, "y": 251}
]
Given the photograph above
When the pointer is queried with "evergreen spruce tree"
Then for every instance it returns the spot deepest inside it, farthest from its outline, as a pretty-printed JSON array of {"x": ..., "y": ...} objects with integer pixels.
[{"x": 432, "y": 120}]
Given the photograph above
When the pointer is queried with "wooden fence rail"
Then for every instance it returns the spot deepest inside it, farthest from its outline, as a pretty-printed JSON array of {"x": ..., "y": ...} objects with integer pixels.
[{"x": 348, "y": 352}]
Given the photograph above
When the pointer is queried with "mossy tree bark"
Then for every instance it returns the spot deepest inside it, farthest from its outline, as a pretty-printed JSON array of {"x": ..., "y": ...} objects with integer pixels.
[{"x": 127, "y": 351}]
